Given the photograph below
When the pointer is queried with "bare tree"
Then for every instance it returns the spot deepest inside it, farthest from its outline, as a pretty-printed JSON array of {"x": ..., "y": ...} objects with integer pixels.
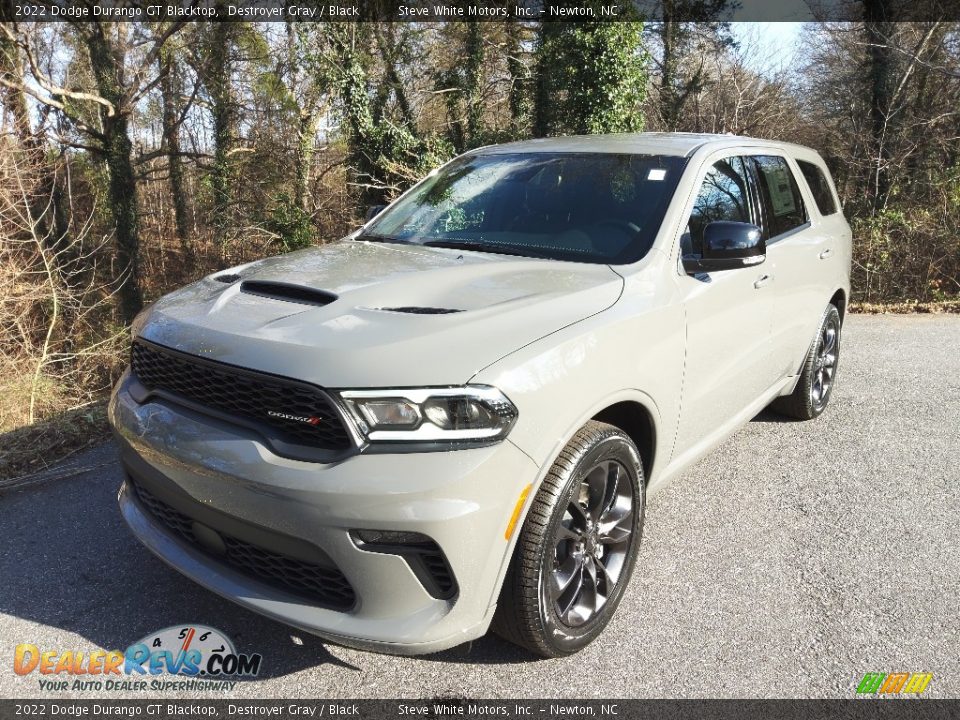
[
  {"x": 119, "y": 85},
  {"x": 50, "y": 296}
]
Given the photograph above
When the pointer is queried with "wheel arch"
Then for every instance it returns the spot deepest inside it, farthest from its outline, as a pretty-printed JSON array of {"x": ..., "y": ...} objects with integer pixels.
[
  {"x": 839, "y": 300},
  {"x": 632, "y": 411},
  {"x": 633, "y": 418}
]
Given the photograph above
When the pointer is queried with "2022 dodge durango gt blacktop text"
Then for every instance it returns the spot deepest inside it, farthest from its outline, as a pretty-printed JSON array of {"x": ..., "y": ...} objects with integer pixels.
[{"x": 451, "y": 419}]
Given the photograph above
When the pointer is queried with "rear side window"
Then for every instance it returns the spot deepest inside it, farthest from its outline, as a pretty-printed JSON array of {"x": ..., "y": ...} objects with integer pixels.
[
  {"x": 819, "y": 187},
  {"x": 781, "y": 195}
]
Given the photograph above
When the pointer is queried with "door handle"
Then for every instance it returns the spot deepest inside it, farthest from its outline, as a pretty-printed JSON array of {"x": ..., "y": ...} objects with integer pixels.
[
  {"x": 826, "y": 253},
  {"x": 763, "y": 280}
]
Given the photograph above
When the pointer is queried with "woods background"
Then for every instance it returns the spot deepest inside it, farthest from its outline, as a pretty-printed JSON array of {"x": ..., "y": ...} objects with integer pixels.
[{"x": 136, "y": 157}]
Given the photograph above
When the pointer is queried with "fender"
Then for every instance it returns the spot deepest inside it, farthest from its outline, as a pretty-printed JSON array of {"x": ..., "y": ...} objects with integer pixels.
[{"x": 661, "y": 459}]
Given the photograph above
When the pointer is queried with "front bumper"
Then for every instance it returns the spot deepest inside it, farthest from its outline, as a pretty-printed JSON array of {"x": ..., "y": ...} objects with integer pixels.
[{"x": 462, "y": 499}]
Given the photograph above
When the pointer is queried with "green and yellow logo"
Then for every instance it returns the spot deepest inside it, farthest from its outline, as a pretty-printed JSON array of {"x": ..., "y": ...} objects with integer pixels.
[{"x": 894, "y": 683}]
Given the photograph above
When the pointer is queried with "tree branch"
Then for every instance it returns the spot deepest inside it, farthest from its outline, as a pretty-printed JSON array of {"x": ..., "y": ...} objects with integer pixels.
[{"x": 47, "y": 85}]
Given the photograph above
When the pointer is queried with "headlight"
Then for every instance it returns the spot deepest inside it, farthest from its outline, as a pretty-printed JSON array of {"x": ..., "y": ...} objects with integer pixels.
[{"x": 459, "y": 414}]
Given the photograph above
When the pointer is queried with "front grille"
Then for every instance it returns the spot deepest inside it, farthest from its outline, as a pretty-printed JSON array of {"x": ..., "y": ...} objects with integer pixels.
[
  {"x": 328, "y": 586},
  {"x": 293, "y": 412}
]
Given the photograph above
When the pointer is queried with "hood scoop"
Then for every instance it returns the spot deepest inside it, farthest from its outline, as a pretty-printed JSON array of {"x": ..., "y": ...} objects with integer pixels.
[
  {"x": 414, "y": 310},
  {"x": 287, "y": 292}
]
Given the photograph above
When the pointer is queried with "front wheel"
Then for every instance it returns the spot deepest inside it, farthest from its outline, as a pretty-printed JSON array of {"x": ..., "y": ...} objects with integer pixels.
[
  {"x": 818, "y": 374},
  {"x": 578, "y": 546}
]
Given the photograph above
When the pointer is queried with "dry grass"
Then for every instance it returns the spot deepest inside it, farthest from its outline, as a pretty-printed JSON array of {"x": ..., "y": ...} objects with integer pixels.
[
  {"x": 906, "y": 308},
  {"x": 34, "y": 448}
]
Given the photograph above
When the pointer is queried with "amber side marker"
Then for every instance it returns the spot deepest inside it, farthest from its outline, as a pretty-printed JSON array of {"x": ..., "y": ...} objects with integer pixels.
[{"x": 518, "y": 508}]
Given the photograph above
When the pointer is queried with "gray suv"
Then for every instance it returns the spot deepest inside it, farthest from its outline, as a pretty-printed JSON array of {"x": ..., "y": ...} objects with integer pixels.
[{"x": 451, "y": 419}]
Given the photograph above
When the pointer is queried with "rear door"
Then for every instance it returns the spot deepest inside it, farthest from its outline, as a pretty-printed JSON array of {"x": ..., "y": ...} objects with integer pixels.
[{"x": 794, "y": 246}]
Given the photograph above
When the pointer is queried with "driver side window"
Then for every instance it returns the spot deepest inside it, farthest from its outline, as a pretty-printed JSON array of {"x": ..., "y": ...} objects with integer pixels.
[{"x": 723, "y": 196}]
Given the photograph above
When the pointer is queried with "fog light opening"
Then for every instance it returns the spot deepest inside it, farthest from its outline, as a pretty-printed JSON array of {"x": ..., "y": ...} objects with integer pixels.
[{"x": 421, "y": 553}]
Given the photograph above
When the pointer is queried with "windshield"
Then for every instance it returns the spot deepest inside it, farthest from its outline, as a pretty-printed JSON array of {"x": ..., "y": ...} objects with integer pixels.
[{"x": 585, "y": 207}]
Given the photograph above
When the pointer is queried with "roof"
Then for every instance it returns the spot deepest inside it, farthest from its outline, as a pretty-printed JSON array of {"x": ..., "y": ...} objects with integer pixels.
[{"x": 653, "y": 143}]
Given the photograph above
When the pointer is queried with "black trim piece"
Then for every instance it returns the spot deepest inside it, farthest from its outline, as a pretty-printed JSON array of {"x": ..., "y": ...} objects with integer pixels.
[
  {"x": 412, "y": 310},
  {"x": 287, "y": 292},
  {"x": 405, "y": 447},
  {"x": 425, "y": 559}
]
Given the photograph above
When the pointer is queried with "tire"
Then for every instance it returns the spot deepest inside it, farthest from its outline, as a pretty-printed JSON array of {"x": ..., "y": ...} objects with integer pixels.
[
  {"x": 818, "y": 374},
  {"x": 600, "y": 473}
]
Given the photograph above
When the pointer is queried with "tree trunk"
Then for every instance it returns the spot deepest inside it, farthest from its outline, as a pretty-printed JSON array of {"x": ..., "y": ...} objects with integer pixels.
[
  {"x": 306, "y": 135},
  {"x": 878, "y": 27},
  {"x": 14, "y": 99},
  {"x": 170, "y": 94},
  {"x": 106, "y": 62},
  {"x": 669, "y": 111},
  {"x": 123, "y": 201},
  {"x": 472, "y": 82},
  {"x": 519, "y": 77},
  {"x": 220, "y": 87},
  {"x": 391, "y": 47},
  {"x": 544, "y": 98}
]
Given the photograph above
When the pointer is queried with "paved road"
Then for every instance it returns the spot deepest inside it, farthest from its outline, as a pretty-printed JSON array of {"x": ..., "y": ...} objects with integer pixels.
[{"x": 787, "y": 563}]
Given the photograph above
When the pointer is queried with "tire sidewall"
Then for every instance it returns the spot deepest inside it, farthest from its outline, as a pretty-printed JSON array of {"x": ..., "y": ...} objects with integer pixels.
[
  {"x": 563, "y": 638},
  {"x": 829, "y": 314}
]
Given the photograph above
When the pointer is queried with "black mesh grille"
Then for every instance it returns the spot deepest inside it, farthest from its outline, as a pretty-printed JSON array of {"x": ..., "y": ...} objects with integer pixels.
[
  {"x": 298, "y": 413},
  {"x": 323, "y": 584},
  {"x": 439, "y": 570}
]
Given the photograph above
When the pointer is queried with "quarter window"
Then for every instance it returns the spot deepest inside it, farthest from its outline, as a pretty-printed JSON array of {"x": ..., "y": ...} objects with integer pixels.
[
  {"x": 819, "y": 187},
  {"x": 781, "y": 195},
  {"x": 724, "y": 195}
]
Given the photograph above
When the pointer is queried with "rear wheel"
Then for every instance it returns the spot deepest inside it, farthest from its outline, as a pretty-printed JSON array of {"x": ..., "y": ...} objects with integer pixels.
[
  {"x": 578, "y": 546},
  {"x": 819, "y": 372}
]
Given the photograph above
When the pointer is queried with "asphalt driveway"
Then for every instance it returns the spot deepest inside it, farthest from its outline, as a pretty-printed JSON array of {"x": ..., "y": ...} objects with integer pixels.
[{"x": 786, "y": 564}]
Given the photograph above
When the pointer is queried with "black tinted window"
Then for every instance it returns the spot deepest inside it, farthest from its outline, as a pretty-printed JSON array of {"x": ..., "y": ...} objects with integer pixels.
[
  {"x": 819, "y": 187},
  {"x": 587, "y": 207},
  {"x": 723, "y": 196},
  {"x": 781, "y": 195}
]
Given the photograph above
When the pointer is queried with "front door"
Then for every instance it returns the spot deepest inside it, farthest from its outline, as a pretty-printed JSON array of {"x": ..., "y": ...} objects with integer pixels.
[{"x": 728, "y": 316}]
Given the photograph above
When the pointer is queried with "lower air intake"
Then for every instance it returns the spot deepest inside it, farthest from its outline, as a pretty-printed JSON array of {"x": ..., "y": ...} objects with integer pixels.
[{"x": 321, "y": 585}]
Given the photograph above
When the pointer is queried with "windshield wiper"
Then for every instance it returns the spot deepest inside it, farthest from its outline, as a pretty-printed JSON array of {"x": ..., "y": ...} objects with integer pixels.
[
  {"x": 373, "y": 237},
  {"x": 519, "y": 250}
]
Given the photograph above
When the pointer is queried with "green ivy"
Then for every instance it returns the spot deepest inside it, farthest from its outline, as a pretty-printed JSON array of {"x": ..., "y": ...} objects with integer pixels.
[
  {"x": 592, "y": 78},
  {"x": 290, "y": 223}
]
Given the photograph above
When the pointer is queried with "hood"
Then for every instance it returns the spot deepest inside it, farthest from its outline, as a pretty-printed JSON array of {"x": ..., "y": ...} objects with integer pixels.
[{"x": 358, "y": 314}]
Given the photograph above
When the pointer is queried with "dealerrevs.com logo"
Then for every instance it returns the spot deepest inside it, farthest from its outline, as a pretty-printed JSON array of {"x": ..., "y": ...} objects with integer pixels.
[{"x": 202, "y": 656}]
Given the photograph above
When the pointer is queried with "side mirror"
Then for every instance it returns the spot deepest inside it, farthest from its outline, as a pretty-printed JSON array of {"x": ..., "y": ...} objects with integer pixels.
[
  {"x": 728, "y": 246},
  {"x": 373, "y": 211}
]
